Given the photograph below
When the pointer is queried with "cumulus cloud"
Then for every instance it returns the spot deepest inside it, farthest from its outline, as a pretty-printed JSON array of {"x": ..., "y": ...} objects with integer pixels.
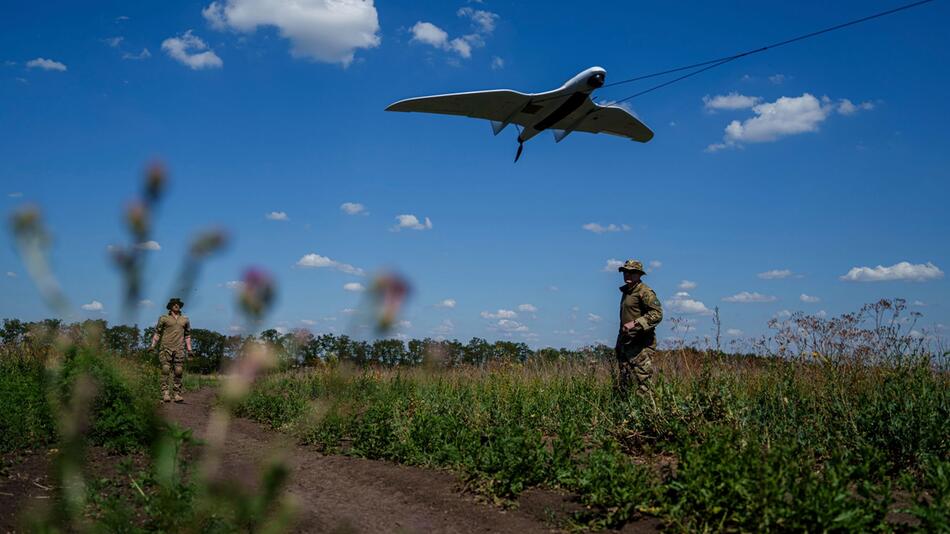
[
  {"x": 687, "y": 285},
  {"x": 95, "y": 305},
  {"x": 444, "y": 328},
  {"x": 729, "y": 102},
  {"x": 45, "y": 64},
  {"x": 507, "y": 325},
  {"x": 600, "y": 229},
  {"x": 784, "y": 117},
  {"x": 114, "y": 42},
  {"x": 149, "y": 245},
  {"x": 612, "y": 264},
  {"x": 746, "y": 297},
  {"x": 353, "y": 208},
  {"x": 901, "y": 271},
  {"x": 144, "y": 54},
  {"x": 734, "y": 332},
  {"x": 654, "y": 264},
  {"x": 316, "y": 261},
  {"x": 11, "y": 274},
  {"x": 188, "y": 49},
  {"x": 277, "y": 216},
  {"x": 146, "y": 303},
  {"x": 778, "y": 79},
  {"x": 483, "y": 23},
  {"x": 683, "y": 303},
  {"x": 236, "y": 285},
  {"x": 411, "y": 222},
  {"x": 497, "y": 63},
  {"x": 846, "y": 107},
  {"x": 308, "y": 322},
  {"x": 775, "y": 274},
  {"x": 527, "y": 308},
  {"x": 594, "y": 318},
  {"x": 354, "y": 286},
  {"x": 446, "y": 303},
  {"x": 330, "y": 31},
  {"x": 809, "y": 298},
  {"x": 500, "y": 314},
  {"x": 15, "y": 194}
]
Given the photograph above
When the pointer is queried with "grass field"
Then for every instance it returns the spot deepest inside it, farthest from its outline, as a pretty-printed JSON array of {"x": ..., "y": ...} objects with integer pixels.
[{"x": 724, "y": 444}]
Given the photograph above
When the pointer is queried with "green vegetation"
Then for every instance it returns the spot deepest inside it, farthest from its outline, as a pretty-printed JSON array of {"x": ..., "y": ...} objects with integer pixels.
[{"x": 732, "y": 444}]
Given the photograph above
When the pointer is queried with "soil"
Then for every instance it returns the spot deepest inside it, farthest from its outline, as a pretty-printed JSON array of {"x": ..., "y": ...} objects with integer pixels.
[{"x": 332, "y": 493}]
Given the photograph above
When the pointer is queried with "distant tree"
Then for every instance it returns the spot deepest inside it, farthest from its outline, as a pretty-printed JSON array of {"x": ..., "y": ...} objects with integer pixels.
[
  {"x": 13, "y": 330},
  {"x": 391, "y": 352},
  {"x": 122, "y": 339},
  {"x": 207, "y": 348}
]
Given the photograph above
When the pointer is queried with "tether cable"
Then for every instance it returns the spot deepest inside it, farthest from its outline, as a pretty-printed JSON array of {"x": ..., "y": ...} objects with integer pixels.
[{"x": 723, "y": 60}]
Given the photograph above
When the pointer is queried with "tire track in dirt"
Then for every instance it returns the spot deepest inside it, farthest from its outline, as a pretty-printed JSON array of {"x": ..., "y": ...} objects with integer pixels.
[{"x": 344, "y": 494}]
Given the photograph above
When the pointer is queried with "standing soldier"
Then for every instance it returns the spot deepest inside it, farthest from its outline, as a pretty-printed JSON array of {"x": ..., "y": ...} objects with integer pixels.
[
  {"x": 640, "y": 312},
  {"x": 174, "y": 330}
]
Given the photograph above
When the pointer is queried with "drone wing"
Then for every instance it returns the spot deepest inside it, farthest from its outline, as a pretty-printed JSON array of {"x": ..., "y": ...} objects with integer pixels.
[
  {"x": 615, "y": 120},
  {"x": 499, "y": 105}
]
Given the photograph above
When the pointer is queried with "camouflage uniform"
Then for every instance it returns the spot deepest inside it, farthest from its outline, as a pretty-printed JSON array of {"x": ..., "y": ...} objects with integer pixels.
[
  {"x": 173, "y": 331},
  {"x": 636, "y": 348}
]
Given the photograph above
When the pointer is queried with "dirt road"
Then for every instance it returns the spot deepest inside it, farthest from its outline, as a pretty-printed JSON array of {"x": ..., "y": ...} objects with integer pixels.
[{"x": 344, "y": 494}]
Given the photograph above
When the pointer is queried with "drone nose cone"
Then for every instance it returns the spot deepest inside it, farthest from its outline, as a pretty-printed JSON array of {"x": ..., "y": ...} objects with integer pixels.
[{"x": 596, "y": 80}]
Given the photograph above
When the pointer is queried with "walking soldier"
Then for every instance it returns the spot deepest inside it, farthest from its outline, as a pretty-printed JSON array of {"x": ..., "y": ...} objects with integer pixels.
[
  {"x": 174, "y": 331},
  {"x": 640, "y": 312}
]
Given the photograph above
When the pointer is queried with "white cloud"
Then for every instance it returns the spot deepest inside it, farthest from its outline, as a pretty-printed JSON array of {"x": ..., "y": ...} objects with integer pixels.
[
  {"x": 114, "y": 42},
  {"x": 687, "y": 285},
  {"x": 144, "y": 54},
  {"x": 446, "y": 303},
  {"x": 528, "y": 308},
  {"x": 15, "y": 194},
  {"x": 316, "y": 261},
  {"x": 901, "y": 271},
  {"x": 735, "y": 332},
  {"x": 508, "y": 325},
  {"x": 353, "y": 208},
  {"x": 95, "y": 305},
  {"x": 354, "y": 286},
  {"x": 330, "y": 31},
  {"x": 918, "y": 303},
  {"x": 149, "y": 245},
  {"x": 784, "y": 117},
  {"x": 775, "y": 274},
  {"x": 45, "y": 64},
  {"x": 146, "y": 303},
  {"x": 497, "y": 63},
  {"x": 500, "y": 314},
  {"x": 683, "y": 303},
  {"x": 188, "y": 49},
  {"x": 482, "y": 21},
  {"x": 277, "y": 216},
  {"x": 778, "y": 79},
  {"x": 236, "y": 285},
  {"x": 308, "y": 322},
  {"x": 445, "y": 328},
  {"x": 411, "y": 222},
  {"x": 612, "y": 264},
  {"x": 594, "y": 318},
  {"x": 654, "y": 264},
  {"x": 783, "y": 314},
  {"x": 600, "y": 229},
  {"x": 348, "y": 311},
  {"x": 731, "y": 101},
  {"x": 11, "y": 274},
  {"x": 809, "y": 298},
  {"x": 747, "y": 297},
  {"x": 846, "y": 107}
]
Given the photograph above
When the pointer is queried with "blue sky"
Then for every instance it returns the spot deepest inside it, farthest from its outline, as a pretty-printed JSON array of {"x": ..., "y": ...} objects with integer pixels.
[{"x": 795, "y": 172}]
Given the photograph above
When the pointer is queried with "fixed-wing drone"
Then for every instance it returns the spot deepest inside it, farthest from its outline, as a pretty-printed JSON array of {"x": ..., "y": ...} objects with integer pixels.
[{"x": 564, "y": 110}]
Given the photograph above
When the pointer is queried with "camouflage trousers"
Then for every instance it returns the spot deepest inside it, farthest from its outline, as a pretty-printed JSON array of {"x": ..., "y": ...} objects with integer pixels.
[
  {"x": 173, "y": 367},
  {"x": 635, "y": 363}
]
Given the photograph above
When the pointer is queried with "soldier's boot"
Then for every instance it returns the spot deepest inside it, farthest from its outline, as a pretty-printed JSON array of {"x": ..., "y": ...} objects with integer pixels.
[
  {"x": 179, "y": 371},
  {"x": 166, "y": 397},
  {"x": 179, "y": 398}
]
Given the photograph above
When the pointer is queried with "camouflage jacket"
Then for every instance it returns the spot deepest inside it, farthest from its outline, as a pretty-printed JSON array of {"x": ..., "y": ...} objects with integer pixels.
[{"x": 639, "y": 303}]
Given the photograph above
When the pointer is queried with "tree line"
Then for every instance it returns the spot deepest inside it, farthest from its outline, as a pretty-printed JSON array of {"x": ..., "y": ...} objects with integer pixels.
[{"x": 211, "y": 350}]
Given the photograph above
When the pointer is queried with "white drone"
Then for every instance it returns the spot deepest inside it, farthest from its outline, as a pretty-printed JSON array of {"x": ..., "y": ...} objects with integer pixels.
[{"x": 564, "y": 110}]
